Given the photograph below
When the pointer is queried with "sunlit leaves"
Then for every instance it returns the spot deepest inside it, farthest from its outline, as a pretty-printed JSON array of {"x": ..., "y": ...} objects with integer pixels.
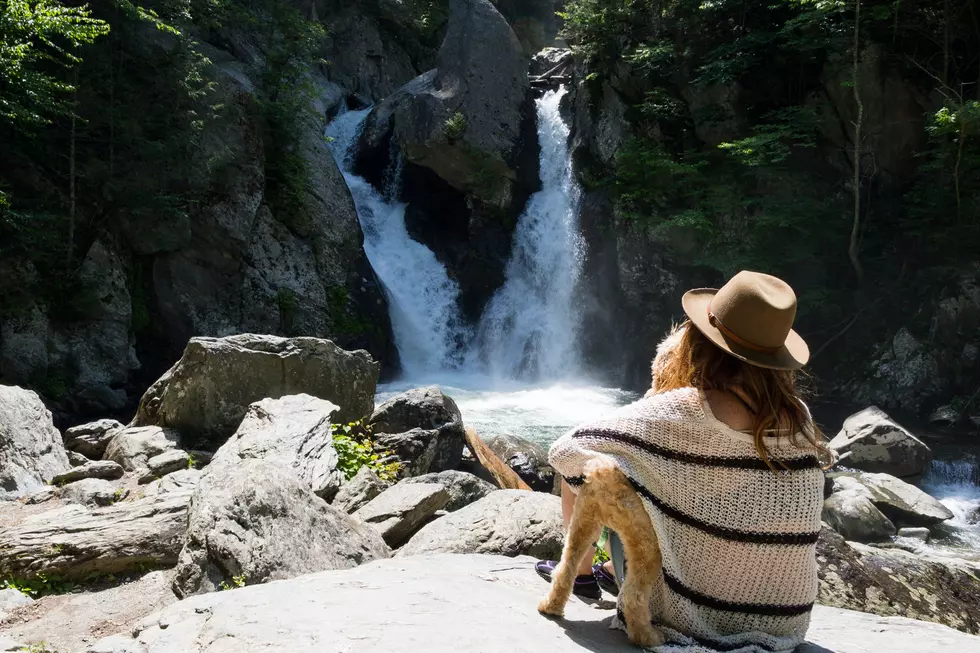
[{"x": 36, "y": 39}]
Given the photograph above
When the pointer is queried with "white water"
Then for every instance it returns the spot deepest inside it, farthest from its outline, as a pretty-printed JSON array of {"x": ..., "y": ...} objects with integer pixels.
[
  {"x": 537, "y": 412},
  {"x": 957, "y": 486},
  {"x": 422, "y": 300},
  {"x": 529, "y": 329},
  {"x": 521, "y": 373}
]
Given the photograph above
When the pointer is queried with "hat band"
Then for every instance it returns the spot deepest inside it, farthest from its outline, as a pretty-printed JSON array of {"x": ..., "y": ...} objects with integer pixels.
[{"x": 739, "y": 340}]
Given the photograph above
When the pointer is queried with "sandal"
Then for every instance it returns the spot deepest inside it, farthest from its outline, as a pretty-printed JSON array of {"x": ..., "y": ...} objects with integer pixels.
[
  {"x": 586, "y": 585},
  {"x": 605, "y": 580}
]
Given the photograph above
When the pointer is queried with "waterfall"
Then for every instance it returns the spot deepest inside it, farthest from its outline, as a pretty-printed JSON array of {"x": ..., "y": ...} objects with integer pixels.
[
  {"x": 423, "y": 301},
  {"x": 530, "y": 326}
]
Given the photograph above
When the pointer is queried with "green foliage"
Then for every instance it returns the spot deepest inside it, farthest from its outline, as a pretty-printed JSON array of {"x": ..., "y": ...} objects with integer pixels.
[
  {"x": 455, "y": 126},
  {"x": 428, "y": 18},
  {"x": 39, "y": 647},
  {"x": 772, "y": 142},
  {"x": 601, "y": 555},
  {"x": 944, "y": 203},
  {"x": 36, "y": 39},
  {"x": 355, "y": 449},
  {"x": 236, "y": 582},
  {"x": 41, "y": 585}
]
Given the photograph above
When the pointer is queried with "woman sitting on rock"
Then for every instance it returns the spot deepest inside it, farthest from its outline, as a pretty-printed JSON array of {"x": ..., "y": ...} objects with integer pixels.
[{"x": 728, "y": 462}]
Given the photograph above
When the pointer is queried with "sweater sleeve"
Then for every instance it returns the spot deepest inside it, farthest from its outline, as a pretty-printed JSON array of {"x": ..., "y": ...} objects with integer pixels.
[{"x": 605, "y": 436}]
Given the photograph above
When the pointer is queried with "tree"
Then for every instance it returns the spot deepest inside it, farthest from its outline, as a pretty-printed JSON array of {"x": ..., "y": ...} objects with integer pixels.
[
  {"x": 36, "y": 40},
  {"x": 856, "y": 224}
]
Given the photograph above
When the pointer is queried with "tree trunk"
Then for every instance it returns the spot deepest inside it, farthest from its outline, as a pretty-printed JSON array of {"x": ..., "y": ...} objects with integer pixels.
[
  {"x": 856, "y": 226},
  {"x": 71, "y": 180},
  {"x": 961, "y": 138},
  {"x": 946, "y": 42}
]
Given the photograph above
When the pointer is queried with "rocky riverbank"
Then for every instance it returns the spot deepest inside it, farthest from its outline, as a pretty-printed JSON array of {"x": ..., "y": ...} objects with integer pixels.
[{"x": 244, "y": 467}]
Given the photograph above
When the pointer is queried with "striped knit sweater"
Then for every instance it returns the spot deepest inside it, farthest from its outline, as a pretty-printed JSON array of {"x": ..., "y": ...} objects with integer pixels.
[{"x": 738, "y": 540}]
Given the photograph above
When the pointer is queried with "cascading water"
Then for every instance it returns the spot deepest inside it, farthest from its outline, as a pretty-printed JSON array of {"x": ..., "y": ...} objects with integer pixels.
[
  {"x": 423, "y": 301},
  {"x": 530, "y": 327},
  {"x": 957, "y": 486}
]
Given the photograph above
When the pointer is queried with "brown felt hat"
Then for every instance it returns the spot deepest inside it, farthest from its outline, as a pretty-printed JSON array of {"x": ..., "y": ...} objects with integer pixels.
[{"x": 751, "y": 318}]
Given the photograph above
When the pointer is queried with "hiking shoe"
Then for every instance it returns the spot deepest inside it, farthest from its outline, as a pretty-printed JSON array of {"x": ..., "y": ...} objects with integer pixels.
[
  {"x": 605, "y": 580},
  {"x": 586, "y": 586}
]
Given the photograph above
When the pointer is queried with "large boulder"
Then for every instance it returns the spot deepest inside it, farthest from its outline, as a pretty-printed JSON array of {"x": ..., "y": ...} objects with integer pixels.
[
  {"x": 870, "y": 507},
  {"x": 73, "y": 542},
  {"x": 463, "y": 120},
  {"x": 185, "y": 480},
  {"x": 506, "y": 522},
  {"x": 434, "y": 422},
  {"x": 904, "y": 504},
  {"x": 91, "y": 439},
  {"x": 105, "y": 469},
  {"x": 398, "y": 512},
  {"x": 294, "y": 432},
  {"x": 873, "y": 442},
  {"x": 206, "y": 393},
  {"x": 31, "y": 449},
  {"x": 850, "y": 511},
  {"x": 446, "y": 604},
  {"x": 167, "y": 463},
  {"x": 463, "y": 488},
  {"x": 364, "y": 486},
  {"x": 134, "y": 446},
  {"x": 93, "y": 492},
  {"x": 528, "y": 459},
  {"x": 892, "y": 582},
  {"x": 256, "y": 522}
]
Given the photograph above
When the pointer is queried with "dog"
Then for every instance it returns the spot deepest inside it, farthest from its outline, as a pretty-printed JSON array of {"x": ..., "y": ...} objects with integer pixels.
[{"x": 607, "y": 498}]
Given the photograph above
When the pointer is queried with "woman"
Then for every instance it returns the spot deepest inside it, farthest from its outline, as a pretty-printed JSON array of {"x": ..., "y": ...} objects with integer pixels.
[{"x": 728, "y": 462}]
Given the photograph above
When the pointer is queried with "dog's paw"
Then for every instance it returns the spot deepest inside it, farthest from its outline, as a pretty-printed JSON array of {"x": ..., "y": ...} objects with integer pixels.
[
  {"x": 646, "y": 636},
  {"x": 551, "y": 608}
]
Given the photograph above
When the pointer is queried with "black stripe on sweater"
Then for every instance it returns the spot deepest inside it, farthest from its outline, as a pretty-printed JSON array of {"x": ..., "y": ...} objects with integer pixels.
[
  {"x": 751, "y": 537},
  {"x": 711, "y": 643},
  {"x": 764, "y": 609},
  {"x": 729, "y": 462}
]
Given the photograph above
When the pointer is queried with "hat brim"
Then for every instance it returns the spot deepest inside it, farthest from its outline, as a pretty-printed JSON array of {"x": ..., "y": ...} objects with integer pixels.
[{"x": 793, "y": 355}]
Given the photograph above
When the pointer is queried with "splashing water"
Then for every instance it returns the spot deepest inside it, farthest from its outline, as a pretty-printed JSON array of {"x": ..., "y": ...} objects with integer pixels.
[
  {"x": 956, "y": 484},
  {"x": 530, "y": 327},
  {"x": 537, "y": 412},
  {"x": 423, "y": 301}
]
